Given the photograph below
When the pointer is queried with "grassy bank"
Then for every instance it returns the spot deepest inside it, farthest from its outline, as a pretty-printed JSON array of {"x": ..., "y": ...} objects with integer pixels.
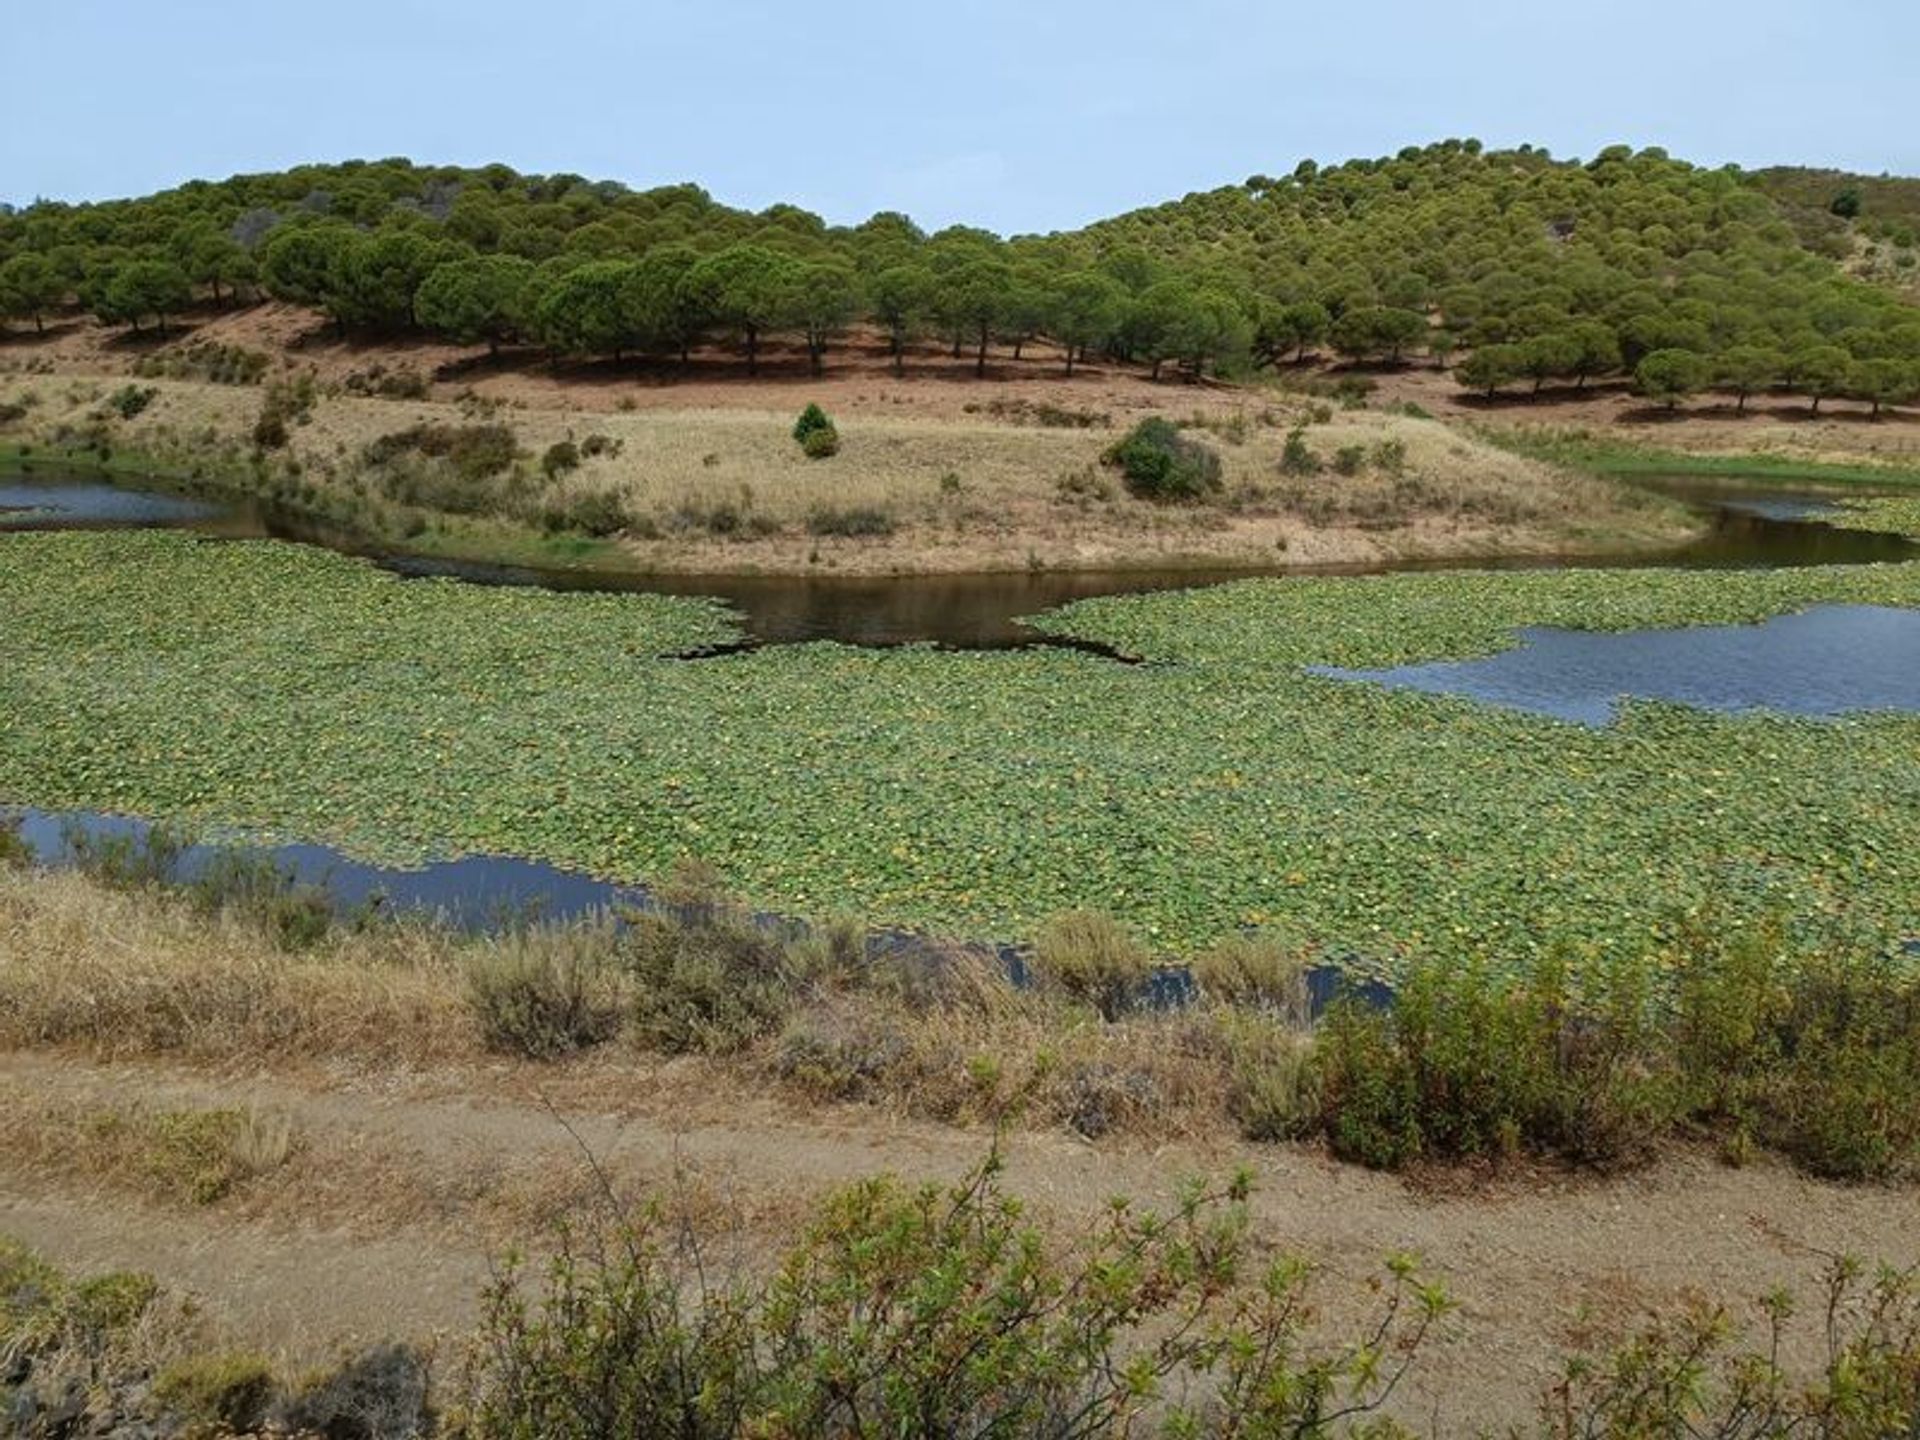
[
  {"x": 1582, "y": 450},
  {"x": 1216, "y": 789},
  {"x": 1750, "y": 1039},
  {"x": 1011, "y": 486}
]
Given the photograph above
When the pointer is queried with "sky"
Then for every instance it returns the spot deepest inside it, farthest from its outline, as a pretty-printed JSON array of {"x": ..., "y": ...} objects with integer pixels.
[{"x": 1019, "y": 115}]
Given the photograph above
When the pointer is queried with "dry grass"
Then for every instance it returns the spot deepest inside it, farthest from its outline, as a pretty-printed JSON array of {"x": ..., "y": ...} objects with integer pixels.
[
  {"x": 187, "y": 1155},
  {"x": 725, "y": 487},
  {"x": 131, "y": 974}
]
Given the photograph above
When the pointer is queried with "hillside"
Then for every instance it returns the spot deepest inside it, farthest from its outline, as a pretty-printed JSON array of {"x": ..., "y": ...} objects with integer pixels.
[
  {"x": 1448, "y": 283},
  {"x": 1583, "y": 269}
]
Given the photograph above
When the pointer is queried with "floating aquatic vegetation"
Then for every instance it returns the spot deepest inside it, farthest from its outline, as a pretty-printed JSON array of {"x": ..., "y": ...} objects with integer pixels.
[{"x": 298, "y": 693}]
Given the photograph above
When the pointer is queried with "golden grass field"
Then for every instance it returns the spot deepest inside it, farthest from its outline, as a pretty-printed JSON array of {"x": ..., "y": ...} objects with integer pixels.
[{"x": 962, "y": 492}]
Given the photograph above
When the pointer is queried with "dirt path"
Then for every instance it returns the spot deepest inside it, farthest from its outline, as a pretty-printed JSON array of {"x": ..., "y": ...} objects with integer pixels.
[{"x": 383, "y": 1220}]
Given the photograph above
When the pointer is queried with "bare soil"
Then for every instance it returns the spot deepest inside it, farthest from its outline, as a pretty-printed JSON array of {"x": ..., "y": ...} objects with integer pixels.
[{"x": 403, "y": 1185}]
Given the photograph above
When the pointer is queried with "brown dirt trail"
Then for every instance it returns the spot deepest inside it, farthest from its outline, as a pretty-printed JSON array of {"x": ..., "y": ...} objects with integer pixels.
[{"x": 399, "y": 1191}]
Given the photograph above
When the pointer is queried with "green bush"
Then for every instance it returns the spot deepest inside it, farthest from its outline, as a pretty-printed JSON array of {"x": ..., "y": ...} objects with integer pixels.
[
  {"x": 1349, "y": 459},
  {"x": 1274, "y": 1090},
  {"x": 1467, "y": 1062},
  {"x": 1159, "y": 463},
  {"x": 934, "y": 1312},
  {"x": 1296, "y": 456},
  {"x": 476, "y": 452},
  {"x": 547, "y": 991},
  {"x": 855, "y": 521},
  {"x": 255, "y": 888},
  {"x": 129, "y": 400},
  {"x": 229, "y": 1390},
  {"x": 812, "y": 420},
  {"x": 821, "y": 444},
  {"x": 561, "y": 457},
  {"x": 1258, "y": 971},
  {"x": 142, "y": 860},
  {"x": 1090, "y": 957},
  {"x": 598, "y": 513}
]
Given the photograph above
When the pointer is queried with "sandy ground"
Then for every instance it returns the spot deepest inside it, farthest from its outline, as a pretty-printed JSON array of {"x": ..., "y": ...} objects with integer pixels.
[{"x": 340, "y": 1245}]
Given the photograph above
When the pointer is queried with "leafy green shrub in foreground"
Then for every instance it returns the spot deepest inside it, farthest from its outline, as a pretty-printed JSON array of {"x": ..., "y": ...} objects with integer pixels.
[
  {"x": 1159, "y": 463},
  {"x": 933, "y": 1311}
]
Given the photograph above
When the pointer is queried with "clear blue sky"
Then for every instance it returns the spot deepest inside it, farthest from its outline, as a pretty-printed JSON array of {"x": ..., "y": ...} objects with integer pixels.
[{"x": 1018, "y": 114}]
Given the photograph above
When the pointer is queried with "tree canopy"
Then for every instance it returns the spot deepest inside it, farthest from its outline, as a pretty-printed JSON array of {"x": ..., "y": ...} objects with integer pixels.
[{"x": 1513, "y": 264}]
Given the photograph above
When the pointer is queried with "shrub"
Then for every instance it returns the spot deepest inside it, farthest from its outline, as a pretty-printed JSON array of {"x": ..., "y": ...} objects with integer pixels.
[
  {"x": 270, "y": 430},
  {"x": 1259, "y": 971},
  {"x": 596, "y": 445},
  {"x": 853, "y": 521},
  {"x": 598, "y": 513},
  {"x": 1349, "y": 459},
  {"x": 41, "y": 1310},
  {"x": 129, "y": 400},
  {"x": 840, "y": 1052},
  {"x": 548, "y": 991},
  {"x": 282, "y": 403},
  {"x": 1369, "y": 1105},
  {"x": 705, "y": 979},
  {"x": 139, "y": 860},
  {"x": 14, "y": 850},
  {"x": 380, "y": 1394},
  {"x": 476, "y": 452},
  {"x": 200, "y": 1155},
  {"x": 933, "y": 1312},
  {"x": 255, "y": 888},
  {"x": 1158, "y": 463},
  {"x": 820, "y": 444},
  {"x": 1274, "y": 1091},
  {"x": 812, "y": 421},
  {"x": 561, "y": 456},
  {"x": 1691, "y": 1375},
  {"x": 1296, "y": 457},
  {"x": 1090, "y": 957},
  {"x": 230, "y": 1390},
  {"x": 1390, "y": 456},
  {"x": 405, "y": 383}
]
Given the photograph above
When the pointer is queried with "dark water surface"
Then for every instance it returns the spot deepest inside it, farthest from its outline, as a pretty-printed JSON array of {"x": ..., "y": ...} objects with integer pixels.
[
  {"x": 1748, "y": 527},
  {"x": 1826, "y": 661}
]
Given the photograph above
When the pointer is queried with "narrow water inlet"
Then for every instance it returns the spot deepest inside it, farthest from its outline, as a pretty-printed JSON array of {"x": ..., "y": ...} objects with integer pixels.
[
  {"x": 1749, "y": 528},
  {"x": 495, "y": 894}
]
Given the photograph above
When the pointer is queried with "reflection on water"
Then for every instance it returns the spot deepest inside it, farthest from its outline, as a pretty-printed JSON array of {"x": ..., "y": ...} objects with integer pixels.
[
  {"x": 1748, "y": 527},
  {"x": 1829, "y": 660},
  {"x": 38, "y": 504}
]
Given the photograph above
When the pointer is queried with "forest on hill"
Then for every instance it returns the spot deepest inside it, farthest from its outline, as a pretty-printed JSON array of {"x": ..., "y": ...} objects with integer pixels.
[{"x": 1511, "y": 266}]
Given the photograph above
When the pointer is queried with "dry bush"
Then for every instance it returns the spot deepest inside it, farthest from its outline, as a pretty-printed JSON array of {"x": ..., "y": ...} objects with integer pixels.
[
  {"x": 1260, "y": 972},
  {"x": 1089, "y": 956}
]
